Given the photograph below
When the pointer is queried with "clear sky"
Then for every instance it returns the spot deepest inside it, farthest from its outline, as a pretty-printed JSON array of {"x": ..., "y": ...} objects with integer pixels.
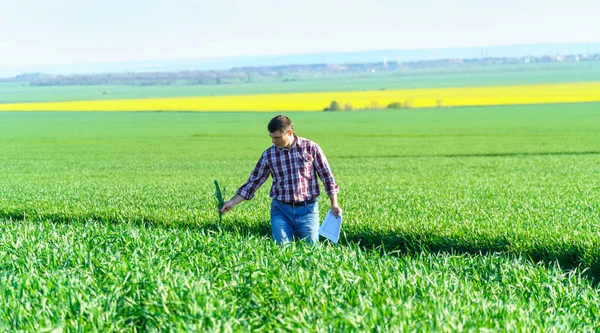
[{"x": 44, "y": 32}]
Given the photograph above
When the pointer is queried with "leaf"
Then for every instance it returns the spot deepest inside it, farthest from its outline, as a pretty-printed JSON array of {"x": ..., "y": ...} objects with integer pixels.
[{"x": 219, "y": 199}]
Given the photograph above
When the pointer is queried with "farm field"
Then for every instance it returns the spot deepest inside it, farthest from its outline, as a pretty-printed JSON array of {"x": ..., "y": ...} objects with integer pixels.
[
  {"x": 413, "y": 98},
  {"x": 454, "y": 219},
  {"x": 400, "y": 79}
]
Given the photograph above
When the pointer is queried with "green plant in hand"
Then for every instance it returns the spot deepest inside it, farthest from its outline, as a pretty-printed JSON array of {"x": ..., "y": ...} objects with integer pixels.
[{"x": 219, "y": 200}]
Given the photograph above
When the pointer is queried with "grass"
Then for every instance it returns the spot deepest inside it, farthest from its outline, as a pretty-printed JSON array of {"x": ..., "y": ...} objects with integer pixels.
[
  {"x": 121, "y": 277},
  {"x": 454, "y": 219}
]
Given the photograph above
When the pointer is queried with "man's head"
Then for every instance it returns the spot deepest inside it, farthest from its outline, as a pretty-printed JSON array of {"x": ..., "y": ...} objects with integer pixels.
[{"x": 281, "y": 131}]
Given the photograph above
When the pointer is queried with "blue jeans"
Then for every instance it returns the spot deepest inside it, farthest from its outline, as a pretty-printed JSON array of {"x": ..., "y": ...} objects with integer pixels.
[{"x": 300, "y": 222}]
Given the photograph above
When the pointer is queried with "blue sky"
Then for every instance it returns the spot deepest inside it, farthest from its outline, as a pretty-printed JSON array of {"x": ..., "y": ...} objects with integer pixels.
[{"x": 48, "y": 32}]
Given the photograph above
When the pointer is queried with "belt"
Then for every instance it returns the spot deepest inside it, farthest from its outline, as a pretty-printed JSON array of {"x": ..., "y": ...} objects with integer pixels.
[{"x": 301, "y": 203}]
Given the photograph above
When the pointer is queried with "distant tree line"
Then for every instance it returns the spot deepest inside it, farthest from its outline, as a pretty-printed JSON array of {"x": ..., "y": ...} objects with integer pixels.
[
  {"x": 407, "y": 104},
  {"x": 277, "y": 73}
]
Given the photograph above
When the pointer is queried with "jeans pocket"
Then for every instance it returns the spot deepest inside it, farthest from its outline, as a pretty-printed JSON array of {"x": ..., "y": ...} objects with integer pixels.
[
  {"x": 313, "y": 207},
  {"x": 274, "y": 204}
]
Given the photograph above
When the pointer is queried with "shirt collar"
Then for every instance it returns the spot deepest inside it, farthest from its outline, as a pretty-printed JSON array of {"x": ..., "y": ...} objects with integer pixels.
[{"x": 294, "y": 144}]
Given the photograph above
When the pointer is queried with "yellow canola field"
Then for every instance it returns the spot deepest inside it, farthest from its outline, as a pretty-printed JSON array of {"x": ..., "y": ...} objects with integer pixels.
[{"x": 416, "y": 98}]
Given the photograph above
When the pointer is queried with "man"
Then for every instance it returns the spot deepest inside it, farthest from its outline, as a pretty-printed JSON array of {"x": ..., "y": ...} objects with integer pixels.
[{"x": 294, "y": 164}]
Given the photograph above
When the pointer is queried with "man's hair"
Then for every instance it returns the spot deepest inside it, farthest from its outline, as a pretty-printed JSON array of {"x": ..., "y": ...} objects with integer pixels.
[{"x": 280, "y": 123}]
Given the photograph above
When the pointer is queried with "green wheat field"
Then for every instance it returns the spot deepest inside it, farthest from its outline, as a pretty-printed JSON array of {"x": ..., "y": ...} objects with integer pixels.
[{"x": 483, "y": 219}]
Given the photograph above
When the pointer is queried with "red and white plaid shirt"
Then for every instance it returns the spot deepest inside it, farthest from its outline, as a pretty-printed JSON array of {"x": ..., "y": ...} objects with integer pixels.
[{"x": 294, "y": 172}]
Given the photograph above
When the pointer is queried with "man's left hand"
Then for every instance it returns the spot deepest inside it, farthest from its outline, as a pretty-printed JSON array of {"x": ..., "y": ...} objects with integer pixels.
[{"x": 337, "y": 211}]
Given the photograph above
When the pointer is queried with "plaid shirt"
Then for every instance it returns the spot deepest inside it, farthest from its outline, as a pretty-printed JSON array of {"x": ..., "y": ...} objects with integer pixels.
[{"x": 294, "y": 172}]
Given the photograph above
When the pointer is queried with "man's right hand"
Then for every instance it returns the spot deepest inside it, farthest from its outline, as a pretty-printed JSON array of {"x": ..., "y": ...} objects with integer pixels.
[{"x": 227, "y": 206}]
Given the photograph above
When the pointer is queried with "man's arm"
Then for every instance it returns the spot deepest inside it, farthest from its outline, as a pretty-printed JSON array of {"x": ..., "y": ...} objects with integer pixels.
[
  {"x": 258, "y": 176},
  {"x": 324, "y": 172}
]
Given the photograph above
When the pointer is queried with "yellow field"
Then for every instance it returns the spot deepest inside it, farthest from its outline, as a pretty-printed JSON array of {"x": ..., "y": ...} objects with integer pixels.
[{"x": 416, "y": 98}]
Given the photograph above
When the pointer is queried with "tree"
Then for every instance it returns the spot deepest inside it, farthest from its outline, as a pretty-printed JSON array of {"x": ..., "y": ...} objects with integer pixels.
[
  {"x": 395, "y": 105},
  {"x": 334, "y": 106}
]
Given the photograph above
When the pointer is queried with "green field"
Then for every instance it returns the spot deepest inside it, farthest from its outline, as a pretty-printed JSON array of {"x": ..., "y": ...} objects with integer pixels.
[
  {"x": 438, "y": 77},
  {"x": 454, "y": 219}
]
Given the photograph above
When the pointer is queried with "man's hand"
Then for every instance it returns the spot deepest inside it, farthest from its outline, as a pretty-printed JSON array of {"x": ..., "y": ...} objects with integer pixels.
[
  {"x": 337, "y": 211},
  {"x": 228, "y": 205}
]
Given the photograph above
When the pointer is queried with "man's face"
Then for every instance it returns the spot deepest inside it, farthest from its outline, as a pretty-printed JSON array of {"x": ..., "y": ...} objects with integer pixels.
[{"x": 282, "y": 139}]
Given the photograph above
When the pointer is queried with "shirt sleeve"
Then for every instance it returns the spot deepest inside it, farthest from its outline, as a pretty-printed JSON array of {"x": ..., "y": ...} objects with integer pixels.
[
  {"x": 324, "y": 172},
  {"x": 258, "y": 176}
]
